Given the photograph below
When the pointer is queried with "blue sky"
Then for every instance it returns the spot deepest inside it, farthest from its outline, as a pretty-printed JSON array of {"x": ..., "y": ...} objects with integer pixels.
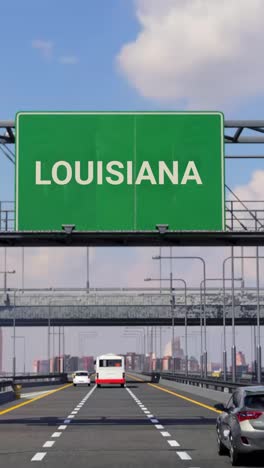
[{"x": 39, "y": 36}]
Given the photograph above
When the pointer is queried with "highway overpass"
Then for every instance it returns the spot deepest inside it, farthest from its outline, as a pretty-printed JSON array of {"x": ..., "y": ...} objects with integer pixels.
[{"x": 79, "y": 308}]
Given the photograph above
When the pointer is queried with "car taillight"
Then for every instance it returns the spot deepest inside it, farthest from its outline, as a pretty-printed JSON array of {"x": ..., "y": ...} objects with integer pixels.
[{"x": 246, "y": 415}]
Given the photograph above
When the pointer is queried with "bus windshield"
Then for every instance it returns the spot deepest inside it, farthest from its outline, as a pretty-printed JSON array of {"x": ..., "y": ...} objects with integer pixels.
[{"x": 110, "y": 363}]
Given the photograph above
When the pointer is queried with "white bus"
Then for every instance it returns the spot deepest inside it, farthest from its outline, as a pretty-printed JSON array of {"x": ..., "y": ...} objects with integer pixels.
[{"x": 110, "y": 369}]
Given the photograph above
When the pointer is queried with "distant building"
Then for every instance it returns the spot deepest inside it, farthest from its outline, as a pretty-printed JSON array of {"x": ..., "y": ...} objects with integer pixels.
[
  {"x": 43, "y": 367},
  {"x": 240, "y": 359},
  {"x": 87, "y": 363},
  {"x": 130, "y": 359},
  {"x": 56, "y": 364},
  {"x": 214, "y": 366},
  {"x": 72, "y": 364},
  {"x": 35, "y": 366},
  {"x": 178, "y": 351},
  {"x": 166, "y": 363},
  {"x": 194, "y": 364}
]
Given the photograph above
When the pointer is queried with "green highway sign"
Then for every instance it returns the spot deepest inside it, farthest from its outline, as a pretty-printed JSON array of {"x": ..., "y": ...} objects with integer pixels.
[{"x": 112, "y": 171}]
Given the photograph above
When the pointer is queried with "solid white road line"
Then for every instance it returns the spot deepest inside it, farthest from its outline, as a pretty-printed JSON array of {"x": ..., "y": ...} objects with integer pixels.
[
  {"x": 56, "y": 434},
  {"x": 38, "y": 456},
  {"x": 165, "y": 434},
  {"x": 173, "y": 443},
  {"x": 184, "y": 456},
  {"x": 49, "y": 443}
]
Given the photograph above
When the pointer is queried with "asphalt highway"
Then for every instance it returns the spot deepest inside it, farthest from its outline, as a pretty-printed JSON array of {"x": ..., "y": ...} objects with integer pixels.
[{"x": 142, "y": 424}]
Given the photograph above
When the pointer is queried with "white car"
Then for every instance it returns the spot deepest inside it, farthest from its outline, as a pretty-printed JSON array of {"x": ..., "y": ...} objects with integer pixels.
[{"x": 81, "y": 377}]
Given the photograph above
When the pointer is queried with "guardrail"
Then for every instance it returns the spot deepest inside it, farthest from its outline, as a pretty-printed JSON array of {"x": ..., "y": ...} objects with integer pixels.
[
  {"x": 214, "y": 383},
  {"x": 34, "y": 379},
  {"x": 4, "y": 384}
]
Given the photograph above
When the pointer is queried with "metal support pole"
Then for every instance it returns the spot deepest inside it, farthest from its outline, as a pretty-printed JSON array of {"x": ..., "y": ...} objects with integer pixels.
[
  {"x": 63, "y": 349},
  {"x": 14, "y": 336},
  {"x": 59, "y": 349},
  {"x": 54, "y": 351},
  {"x": 185, "y": 330},
  {"x": 233, "y": 352},
  {"x": 160, "y": 346},
  {"x": 224, "y": 328},
  {"x": 258, "y": 320},
  {"x": 23, "y": 268},
  {"x": 24, "y": 355},
  {"x": 204, "y": 316},
  {"x": 242, "y": 271},
  {"x": 201, "y": 338},
  {"x": 49, "y": 338},
  {"x": 160, "y": 269},
  {"x": 255, "y": 350},
  {"x": 172, "y": 323},
  {"x": 5, "y": 272},
  {"x": 87, "y": 269}
]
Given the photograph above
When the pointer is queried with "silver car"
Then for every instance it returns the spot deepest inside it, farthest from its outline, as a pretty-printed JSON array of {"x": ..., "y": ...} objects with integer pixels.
[{"x": 240, "y": 426}]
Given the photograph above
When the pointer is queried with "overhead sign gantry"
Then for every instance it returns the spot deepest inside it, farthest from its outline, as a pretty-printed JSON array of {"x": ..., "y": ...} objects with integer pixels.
[
  {"x": 236, "y": 132},
  {"x": 130, "y": 171}
]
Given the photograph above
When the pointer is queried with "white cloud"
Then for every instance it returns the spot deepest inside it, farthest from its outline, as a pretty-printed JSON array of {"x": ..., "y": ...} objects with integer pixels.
[
  {"x": 204, "y": 53},
  {"x": 254, "y": 189},
  {"x": 68, "y": 60},
  {"x": 45, "y": 47}
]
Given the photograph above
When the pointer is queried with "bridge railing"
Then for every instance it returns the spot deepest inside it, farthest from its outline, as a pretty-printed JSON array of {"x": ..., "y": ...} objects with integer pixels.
[
  {"x": 214, "y": 383},
  {"x": 240, "y": 215}
]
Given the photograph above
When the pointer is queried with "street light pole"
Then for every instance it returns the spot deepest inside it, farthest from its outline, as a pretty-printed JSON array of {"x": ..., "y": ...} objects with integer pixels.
[
  {"x": 203, "y": 355},
  {"x": 232, "y": 257},
  {"x": 172, "y": 296},
  {"x": 233, "y": 355},
  {"x": 258, "y": 320},
  {"x": 172, "y": 324},
  {"x": 14, "y": 335},
  {"x": 220, "y": 279},
  {"x": 24, "y": 350},
  {"x": 87, "y": 269}
]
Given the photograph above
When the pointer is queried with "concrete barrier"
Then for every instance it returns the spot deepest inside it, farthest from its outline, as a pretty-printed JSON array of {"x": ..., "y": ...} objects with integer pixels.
[
  {"x": 214, "y": 395},
  {"x": 7, "y": 395}
]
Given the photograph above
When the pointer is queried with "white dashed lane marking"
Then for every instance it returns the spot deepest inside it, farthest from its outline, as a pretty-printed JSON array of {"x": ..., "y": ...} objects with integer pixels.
[
  {"x": 49, "y": 443},
  {"x": 184, "y": 456},
  {"x": 56, "y": 434},
  {"x": 38, "y": 456},
  {"x": 173, "y": 443}
]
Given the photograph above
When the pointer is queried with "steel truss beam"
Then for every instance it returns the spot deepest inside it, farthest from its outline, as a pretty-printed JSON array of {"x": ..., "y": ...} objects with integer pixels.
[
  {"x": 234, "y": 131},
  {"x": 132, "y": 239}
]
